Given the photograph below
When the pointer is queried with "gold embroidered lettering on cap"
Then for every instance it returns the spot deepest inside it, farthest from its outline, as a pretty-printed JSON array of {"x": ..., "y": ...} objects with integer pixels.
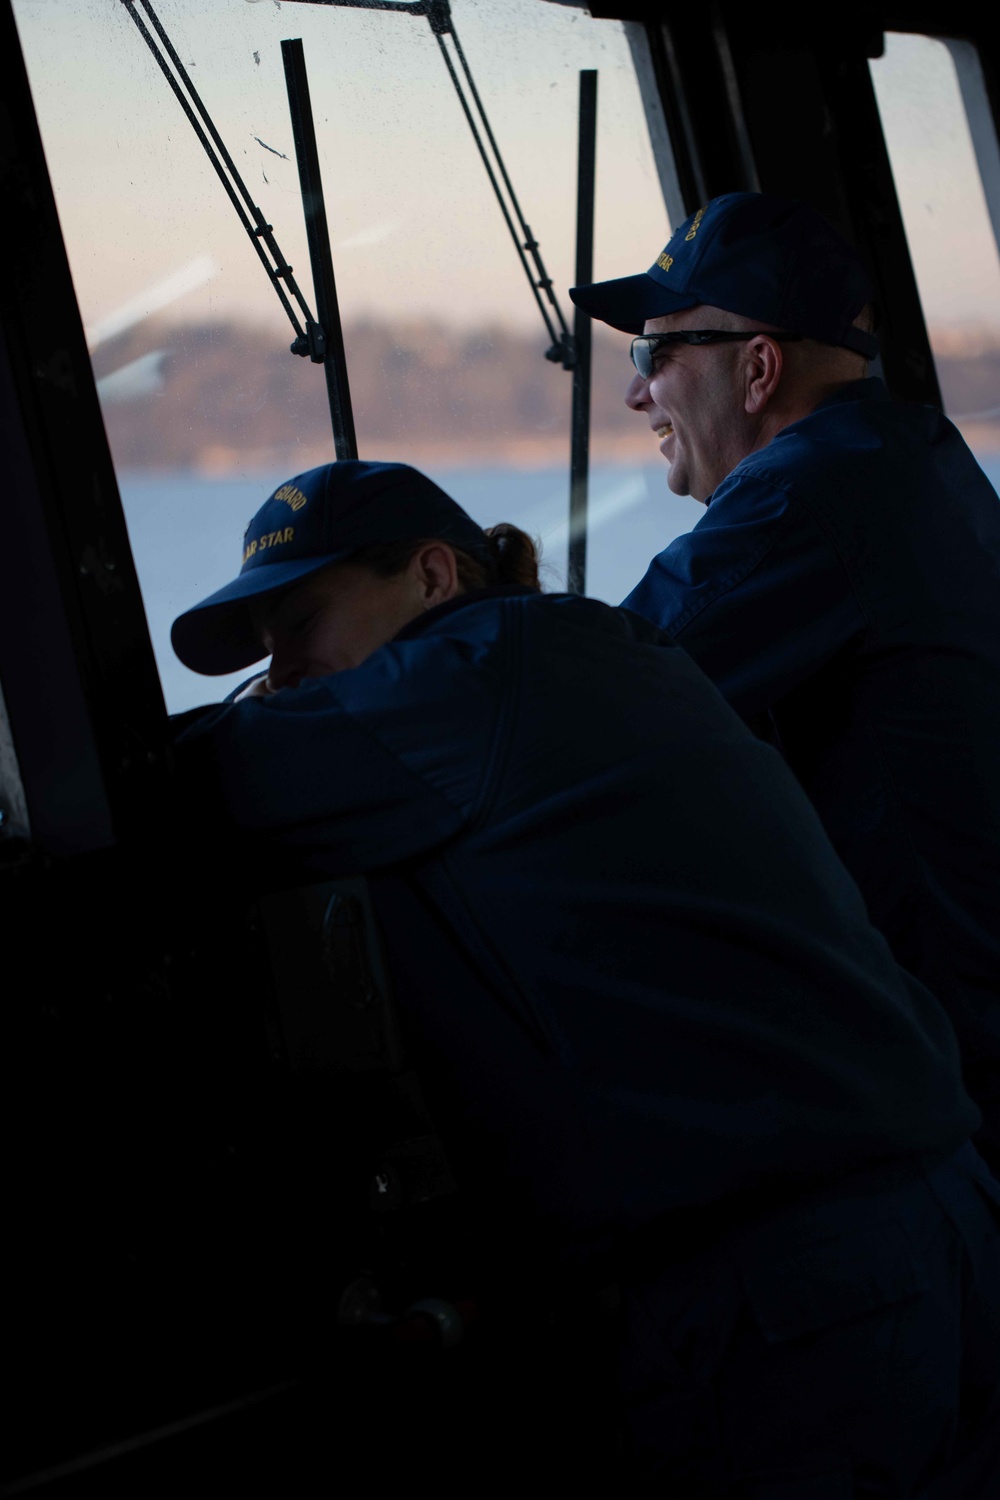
[
  {"x": 291, "y": 496},
  {"x": 269, "y": 539},
  {"x": 695, "y": 223},
  {"x": 664, "y": 261}
]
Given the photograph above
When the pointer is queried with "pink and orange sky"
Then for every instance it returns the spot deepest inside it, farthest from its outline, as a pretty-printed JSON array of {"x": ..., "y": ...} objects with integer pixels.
[{"x": 414, "y": 225}]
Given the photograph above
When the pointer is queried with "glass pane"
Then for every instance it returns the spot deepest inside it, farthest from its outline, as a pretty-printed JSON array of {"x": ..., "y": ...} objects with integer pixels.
[
  {"x": 204, "y": 405},
  {"x": 948, "y": 228}
]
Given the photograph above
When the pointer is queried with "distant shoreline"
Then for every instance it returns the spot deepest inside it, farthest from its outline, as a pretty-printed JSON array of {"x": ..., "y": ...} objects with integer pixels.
[
  {"x": 220, "y": 461},
  {"x": 528, "y": 456},
  {"x": 219, "y": 400}
]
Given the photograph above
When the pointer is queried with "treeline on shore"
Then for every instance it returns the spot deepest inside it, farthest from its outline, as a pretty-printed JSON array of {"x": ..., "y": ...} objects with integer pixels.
[{"x": 230, "y": 396}]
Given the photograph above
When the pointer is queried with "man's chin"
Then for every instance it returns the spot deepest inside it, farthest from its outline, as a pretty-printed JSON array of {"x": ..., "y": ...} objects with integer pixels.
[
  {"x": 677, "y": 479},
  {"x": 679, "y": 482}
]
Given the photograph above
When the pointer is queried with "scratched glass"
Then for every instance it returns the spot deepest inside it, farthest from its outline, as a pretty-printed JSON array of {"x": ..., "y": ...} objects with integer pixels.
[{"x": 205, "y": 407}]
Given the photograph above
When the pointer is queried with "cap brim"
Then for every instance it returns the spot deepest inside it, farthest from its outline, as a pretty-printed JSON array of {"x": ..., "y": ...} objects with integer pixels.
[
  {"x": 627, "y": 304},
  {"x": 218, "y": 635}
]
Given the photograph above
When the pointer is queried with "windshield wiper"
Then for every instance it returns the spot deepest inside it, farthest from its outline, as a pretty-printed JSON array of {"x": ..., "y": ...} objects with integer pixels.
[
  {"x": 309, "y": 339},
  {"x": 438, "y": 13}
]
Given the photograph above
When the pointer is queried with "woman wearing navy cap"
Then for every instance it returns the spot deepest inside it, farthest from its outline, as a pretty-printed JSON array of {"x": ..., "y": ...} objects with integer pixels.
[{"x": 680, "y": 1035}]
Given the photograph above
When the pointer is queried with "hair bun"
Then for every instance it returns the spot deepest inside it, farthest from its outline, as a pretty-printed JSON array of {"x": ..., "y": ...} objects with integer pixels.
[{"x": 515, "y": 553}]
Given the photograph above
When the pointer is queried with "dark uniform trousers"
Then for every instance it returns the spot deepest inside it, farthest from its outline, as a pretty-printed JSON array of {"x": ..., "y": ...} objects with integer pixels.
[{"x": 846, "y": 1347}]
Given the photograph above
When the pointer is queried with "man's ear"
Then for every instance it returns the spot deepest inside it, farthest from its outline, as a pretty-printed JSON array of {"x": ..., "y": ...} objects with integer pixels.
[
  {"x": 764, "y": 365},
  {"x": 435, "y": 571}
]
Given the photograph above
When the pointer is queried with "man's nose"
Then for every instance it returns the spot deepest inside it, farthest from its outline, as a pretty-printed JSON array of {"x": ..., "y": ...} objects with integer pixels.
[{"x": 637, "y": 395}]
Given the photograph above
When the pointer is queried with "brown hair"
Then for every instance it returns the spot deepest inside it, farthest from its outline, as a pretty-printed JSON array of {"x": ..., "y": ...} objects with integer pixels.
[{"x": 512, "y": 558}]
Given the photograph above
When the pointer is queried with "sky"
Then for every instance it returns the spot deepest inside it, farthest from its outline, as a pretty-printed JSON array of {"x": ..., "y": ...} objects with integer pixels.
[{"x": 414, "y": 226}]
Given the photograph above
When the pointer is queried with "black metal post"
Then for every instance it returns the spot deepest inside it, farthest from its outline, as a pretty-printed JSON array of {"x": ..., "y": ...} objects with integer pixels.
[
  {"x": 579, "y": 462},
  {"x": 318, "y": 234}
]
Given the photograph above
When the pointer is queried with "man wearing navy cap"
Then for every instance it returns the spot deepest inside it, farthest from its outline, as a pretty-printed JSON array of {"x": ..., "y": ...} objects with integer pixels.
[
  {"x": 678, "y": 1055},
  {"x": 843, "y": 589}
]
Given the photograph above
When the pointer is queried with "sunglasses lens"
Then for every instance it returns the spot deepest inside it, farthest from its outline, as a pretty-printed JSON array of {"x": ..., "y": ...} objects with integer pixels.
[{"x": 642, "y": 358}]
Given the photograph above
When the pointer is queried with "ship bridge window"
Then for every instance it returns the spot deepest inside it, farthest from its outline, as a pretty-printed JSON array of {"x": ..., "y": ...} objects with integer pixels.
[
  {"x": 206, "y": 409},
  {"x": 942, "y": 145}
]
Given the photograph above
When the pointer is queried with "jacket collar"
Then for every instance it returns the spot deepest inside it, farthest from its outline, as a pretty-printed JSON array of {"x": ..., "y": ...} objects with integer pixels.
[
  {"x": 451, "y": 606},
  {"x": 869, "y": 389}
]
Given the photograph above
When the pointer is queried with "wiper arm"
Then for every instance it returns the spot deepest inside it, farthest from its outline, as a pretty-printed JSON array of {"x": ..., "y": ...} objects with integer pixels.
[
  {"x": 310, "y": 338},
  {"x": 438, "y": 14}
]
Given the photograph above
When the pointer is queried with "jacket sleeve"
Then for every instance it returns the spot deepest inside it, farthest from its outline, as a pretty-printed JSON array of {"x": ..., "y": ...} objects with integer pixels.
[
  {"x": 756, "y": 593},
  {"x": 299, "y": 770}
]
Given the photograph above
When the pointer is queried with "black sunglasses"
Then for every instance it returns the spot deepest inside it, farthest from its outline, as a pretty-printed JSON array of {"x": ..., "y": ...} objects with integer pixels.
[{"x": 646, "y": 348}]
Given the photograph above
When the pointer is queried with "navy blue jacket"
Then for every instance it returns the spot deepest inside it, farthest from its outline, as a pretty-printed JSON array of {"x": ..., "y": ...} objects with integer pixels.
[
  {"x": 686, "y": 999},
  {"x": 846, "y": 578}
]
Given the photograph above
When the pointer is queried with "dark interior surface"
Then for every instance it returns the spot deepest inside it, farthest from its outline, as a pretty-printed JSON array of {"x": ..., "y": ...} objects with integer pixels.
[{"x": 185, "y": 1208}]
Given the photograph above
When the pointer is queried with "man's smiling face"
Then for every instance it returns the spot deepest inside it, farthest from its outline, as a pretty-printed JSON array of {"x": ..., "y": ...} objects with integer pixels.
[{"x": 694, "y": 401}]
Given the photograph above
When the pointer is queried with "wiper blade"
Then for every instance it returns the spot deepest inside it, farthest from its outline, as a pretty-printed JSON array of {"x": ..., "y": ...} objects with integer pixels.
[
  {"x": 438, "y": 14},
  {"x": 310, "y": 338}
]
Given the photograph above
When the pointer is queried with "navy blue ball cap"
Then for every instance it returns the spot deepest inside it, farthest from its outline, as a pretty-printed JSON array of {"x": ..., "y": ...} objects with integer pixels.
[
  {"x": 764, "y": 257},
  {"x": 321, "y": 517}
]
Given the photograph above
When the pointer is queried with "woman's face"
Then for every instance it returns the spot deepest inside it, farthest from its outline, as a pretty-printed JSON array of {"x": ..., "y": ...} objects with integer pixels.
[{"x": 336, "y": 619}]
